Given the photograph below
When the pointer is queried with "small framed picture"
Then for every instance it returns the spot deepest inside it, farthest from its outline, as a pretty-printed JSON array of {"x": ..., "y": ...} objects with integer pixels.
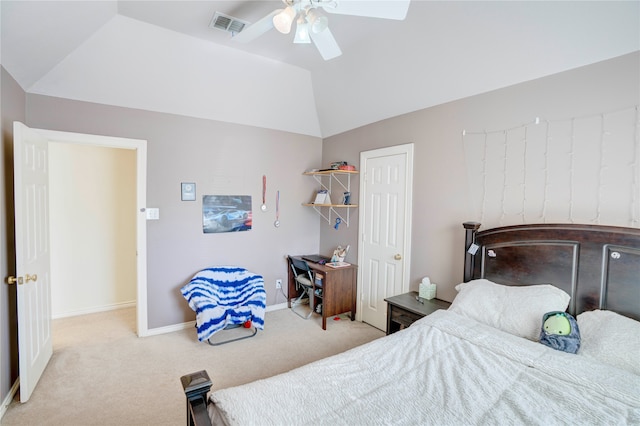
[{"x": 188, "y": 191}]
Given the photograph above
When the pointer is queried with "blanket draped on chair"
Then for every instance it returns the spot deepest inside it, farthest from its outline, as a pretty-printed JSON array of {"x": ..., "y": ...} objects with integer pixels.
[{"x": 225, "y": 295}]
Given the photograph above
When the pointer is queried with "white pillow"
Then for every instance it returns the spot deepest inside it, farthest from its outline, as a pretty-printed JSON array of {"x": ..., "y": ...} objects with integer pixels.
[
  {"x": 611, "y": 339},
  {"x": 515, "y": 309}
]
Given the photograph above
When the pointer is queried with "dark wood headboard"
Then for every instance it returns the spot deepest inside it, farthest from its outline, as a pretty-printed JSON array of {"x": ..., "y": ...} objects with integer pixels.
[{"x": 599, "y": 266}]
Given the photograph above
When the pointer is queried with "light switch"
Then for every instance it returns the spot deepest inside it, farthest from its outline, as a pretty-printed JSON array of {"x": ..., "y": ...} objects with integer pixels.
[{"x": 153, "y": 214}]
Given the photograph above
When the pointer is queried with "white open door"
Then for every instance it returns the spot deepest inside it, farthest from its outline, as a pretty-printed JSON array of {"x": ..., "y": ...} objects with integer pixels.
[
  {"x": 385, "y": 229},
  {"x": 31, "y": 187}
]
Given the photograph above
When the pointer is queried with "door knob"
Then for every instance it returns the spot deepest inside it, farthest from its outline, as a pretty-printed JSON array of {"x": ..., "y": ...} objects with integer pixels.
[
  {"x": 13, "y": 280},
  {"x": 33, "y": 278},
  {"x": 397, "y": 257}
]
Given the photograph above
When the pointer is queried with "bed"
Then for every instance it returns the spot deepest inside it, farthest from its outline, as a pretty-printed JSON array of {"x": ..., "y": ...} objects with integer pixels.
[{"x": 479, "y": 362}]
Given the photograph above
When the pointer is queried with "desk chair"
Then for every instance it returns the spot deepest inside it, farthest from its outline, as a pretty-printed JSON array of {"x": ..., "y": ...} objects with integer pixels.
[{"x": 304, "y": 280}]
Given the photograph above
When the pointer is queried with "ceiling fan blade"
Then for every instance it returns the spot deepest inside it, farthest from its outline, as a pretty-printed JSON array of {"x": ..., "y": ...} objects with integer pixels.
[
  {"x": 326, "y": 44},
  {"x": 386, "y": 9},
  {"x": 256, "y": 29}
]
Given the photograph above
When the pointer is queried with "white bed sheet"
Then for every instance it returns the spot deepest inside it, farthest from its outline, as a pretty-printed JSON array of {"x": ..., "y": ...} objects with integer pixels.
[{"x": 444, "y": 369}]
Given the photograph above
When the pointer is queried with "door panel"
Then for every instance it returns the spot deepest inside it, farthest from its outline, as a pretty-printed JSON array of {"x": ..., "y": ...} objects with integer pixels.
[
  {"x": 384, "y": 223},
  {"x": 31, "y": 185}
]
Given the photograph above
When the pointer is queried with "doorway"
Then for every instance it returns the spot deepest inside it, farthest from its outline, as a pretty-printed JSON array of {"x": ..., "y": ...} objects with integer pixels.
[
  {"x": 92, "y": 197},
  {"x": 33, "y": 254},
  {"x": 136, "y": 148},
  {"x": 384, "y": 251}
]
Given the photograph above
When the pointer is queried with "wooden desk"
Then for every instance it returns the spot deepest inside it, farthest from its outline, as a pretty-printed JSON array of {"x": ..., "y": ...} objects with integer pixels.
[{"x": 338, "y": 290}]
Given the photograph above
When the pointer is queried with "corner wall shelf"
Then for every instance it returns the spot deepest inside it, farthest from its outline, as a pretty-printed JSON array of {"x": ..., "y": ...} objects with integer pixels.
[{"x": 336, "y": 178}]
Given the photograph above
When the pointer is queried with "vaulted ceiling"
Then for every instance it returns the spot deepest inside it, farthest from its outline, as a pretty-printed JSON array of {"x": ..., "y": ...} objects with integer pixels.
[{"x": 163, "y": 56}]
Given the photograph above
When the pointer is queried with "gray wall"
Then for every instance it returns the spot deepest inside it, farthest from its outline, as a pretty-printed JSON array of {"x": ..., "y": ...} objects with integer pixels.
[
  {"x": 222, "y": 159},
  {"x": 442, "y": 198},
  {"x": 231, "y": 159},
  {"x": 92, "y": 228},
  {"x": 12, "y": 109}
]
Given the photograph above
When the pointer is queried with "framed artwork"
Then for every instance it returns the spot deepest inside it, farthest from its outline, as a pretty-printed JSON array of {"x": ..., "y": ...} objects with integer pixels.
[
  {"x": 188, "y": 191},
  {"x": 226, "y": 213}
]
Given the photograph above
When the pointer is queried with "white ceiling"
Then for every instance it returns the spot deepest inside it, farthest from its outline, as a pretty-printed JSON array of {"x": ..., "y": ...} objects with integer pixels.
[{"x": 162, "y": 56}]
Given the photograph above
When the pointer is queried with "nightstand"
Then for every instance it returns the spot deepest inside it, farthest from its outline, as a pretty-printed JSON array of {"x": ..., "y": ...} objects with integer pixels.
[{"x": 403, "y": 310}]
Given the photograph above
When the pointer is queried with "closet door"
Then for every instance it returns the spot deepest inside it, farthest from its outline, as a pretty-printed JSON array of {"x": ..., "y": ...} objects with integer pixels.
[{"x": 385, "y": 229}]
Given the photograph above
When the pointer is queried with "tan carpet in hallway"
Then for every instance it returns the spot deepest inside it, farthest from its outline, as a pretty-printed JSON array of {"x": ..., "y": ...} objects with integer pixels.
[{"x": 101, "y": 373}]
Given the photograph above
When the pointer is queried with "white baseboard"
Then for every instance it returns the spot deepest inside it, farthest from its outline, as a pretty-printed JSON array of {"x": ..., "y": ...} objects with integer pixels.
[
  {"x": 191, "y": 324},
  {"x": 94, "y": 310},
  {"x": 277, "y": 307},
  {"x": 9, "y": 398},
  {"x": 170, "y": 328}
]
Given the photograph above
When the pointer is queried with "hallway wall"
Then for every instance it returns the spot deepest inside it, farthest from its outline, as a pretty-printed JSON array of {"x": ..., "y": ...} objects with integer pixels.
[{"x": 93, "y": 228}]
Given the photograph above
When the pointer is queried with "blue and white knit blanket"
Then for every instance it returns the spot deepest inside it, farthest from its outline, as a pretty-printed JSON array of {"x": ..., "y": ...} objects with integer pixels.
[{"x": 225, "y": 295}]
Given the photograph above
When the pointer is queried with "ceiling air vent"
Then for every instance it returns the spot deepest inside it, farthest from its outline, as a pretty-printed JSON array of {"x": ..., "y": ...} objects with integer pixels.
[{"x": 227, "y": 23}]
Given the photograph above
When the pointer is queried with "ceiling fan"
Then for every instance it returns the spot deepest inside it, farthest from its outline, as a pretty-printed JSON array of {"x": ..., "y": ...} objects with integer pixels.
[{"x": 312, "y": 25}]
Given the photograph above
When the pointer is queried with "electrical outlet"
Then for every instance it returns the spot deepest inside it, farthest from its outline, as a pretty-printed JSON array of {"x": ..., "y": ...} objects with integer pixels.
[{"x": 278, "y": 283}]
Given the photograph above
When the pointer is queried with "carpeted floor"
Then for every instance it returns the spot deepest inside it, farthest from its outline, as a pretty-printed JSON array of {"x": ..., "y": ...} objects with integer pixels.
[{"x": 101, "y": 373}]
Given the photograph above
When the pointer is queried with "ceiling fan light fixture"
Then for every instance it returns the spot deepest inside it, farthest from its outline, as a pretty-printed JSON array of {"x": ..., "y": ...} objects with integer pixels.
[
  {"x": 318, "y": 22},
  {"x": 302, "y": 32},
  {"x": 283, "y": 20}
]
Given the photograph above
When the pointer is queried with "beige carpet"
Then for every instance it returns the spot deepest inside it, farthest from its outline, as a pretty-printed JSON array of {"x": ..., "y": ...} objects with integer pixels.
[{"x": 101, "y": 373}]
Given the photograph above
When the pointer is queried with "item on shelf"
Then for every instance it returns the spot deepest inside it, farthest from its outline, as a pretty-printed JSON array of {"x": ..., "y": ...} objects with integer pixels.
[
  {"x": 322, "y": 197},
  {"x": 347, "y": 167},
  {"x": 346, "y": 200},
  {"x": 337, "y": 164}
]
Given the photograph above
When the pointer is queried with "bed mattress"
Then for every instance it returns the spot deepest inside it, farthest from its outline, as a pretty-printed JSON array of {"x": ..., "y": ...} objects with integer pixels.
[{"x": 444, "y": 369}]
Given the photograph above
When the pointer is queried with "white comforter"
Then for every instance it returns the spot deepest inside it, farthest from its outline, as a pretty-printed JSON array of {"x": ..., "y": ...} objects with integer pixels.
[{"x": 444, "y": 369}]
